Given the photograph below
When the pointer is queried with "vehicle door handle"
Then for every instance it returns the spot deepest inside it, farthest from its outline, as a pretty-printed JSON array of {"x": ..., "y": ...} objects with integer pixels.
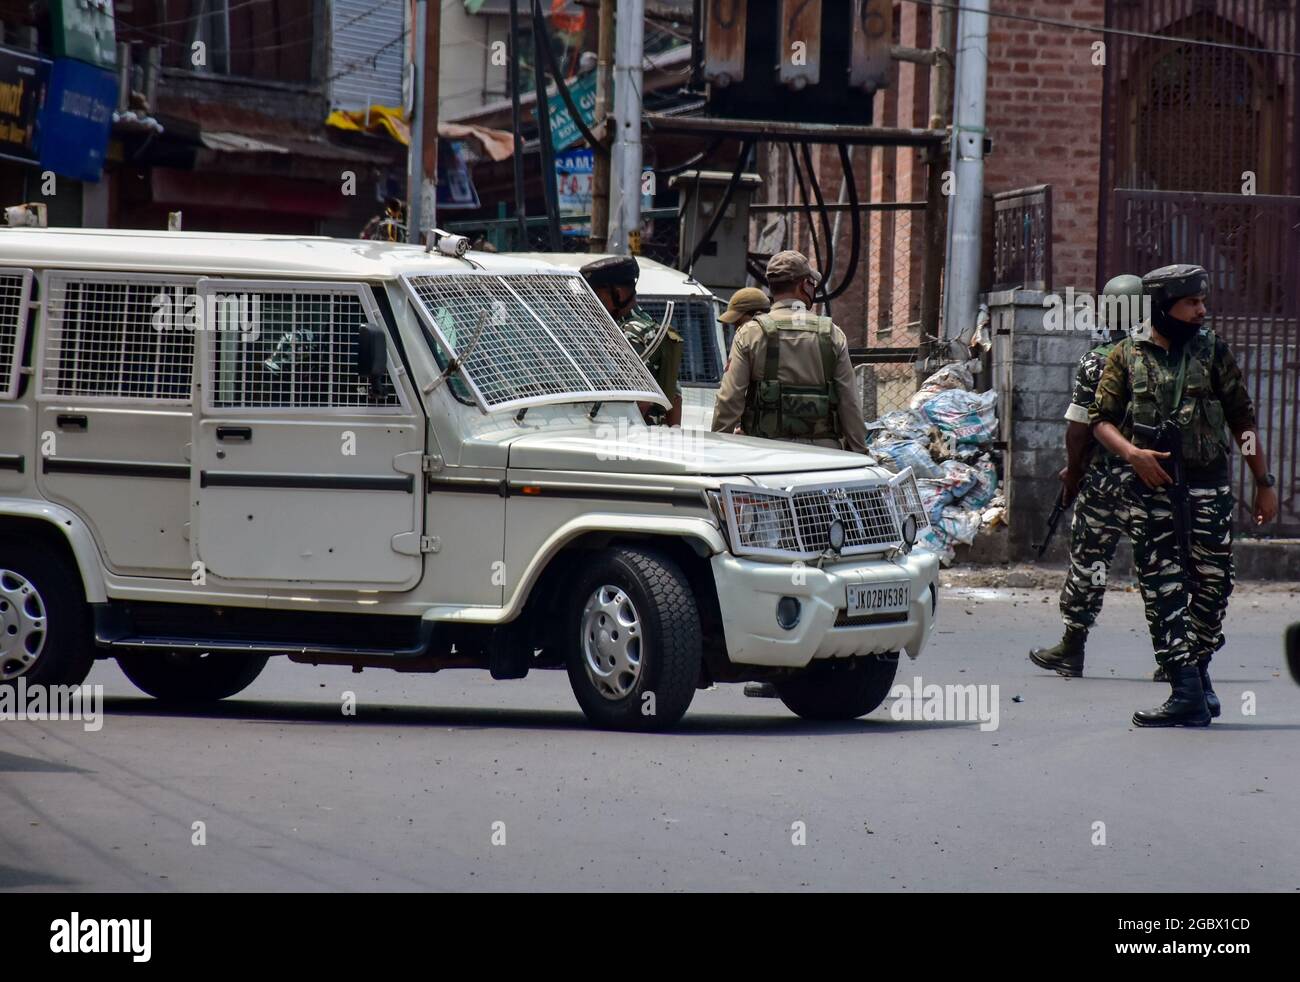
[
  {"x": 244, "y": 433},
  {"x": 70, "y": 421}
]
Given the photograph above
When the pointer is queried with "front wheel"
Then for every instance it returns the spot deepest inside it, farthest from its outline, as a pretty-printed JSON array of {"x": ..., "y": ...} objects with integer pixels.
[
  {"x": 634, "y": 648},
  {"x": 185, "y": 677},
  {"x": 45, "y": 629},
  {"x": 839, "y": 690}
]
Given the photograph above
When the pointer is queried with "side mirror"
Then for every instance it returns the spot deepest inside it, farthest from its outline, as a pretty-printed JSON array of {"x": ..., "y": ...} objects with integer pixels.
[{"x": 372, "y": 351}]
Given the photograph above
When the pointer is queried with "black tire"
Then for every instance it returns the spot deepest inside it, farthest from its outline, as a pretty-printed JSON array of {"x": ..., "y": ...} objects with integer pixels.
[
  {"x": 189, "y": 677},
  {"x": 839, "y": 690},
  {"x": 43, "y": 584},
  {"x": 669, "y": 647}
]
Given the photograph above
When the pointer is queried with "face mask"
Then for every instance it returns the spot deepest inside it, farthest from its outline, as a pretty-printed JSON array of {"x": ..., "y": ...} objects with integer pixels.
[{"x": 1179, "y": 332}]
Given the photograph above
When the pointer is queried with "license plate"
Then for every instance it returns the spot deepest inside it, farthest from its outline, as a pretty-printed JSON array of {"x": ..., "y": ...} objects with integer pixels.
[{"x": 879, "y": 598}]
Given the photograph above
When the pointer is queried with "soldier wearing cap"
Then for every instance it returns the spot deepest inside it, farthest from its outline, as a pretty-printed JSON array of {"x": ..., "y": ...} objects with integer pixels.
[
  {"x": 1173, "y": 378},
  {"x": 744, "y": 304},
  {"x": 789, "y": 376},
  {"x": 613, "y": 280}
]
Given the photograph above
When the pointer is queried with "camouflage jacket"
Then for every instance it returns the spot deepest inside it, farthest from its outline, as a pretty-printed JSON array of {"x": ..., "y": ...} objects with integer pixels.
[
  {"x": 1084, "y": 394},
  {"x": 664, "y": 359},
  {"x": 1139, "y": 382}
]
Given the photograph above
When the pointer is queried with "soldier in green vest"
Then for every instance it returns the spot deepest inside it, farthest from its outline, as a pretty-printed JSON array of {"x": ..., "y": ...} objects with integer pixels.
[
  {"x": 1166, "y": 396},
  {"x": 789, "y": 376},
  {"x": 613, "y": 279},
  {"x": 1094, "y": 480}
]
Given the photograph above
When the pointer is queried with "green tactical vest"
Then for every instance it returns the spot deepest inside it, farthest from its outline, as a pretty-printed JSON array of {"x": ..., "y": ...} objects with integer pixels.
[
  {"x": 780, "y": 411},
  {"x": 1184, "y": 395}
]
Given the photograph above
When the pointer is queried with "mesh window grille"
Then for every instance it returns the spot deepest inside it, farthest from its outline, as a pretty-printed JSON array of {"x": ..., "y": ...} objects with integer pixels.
[
  {"x": 290, "y": 350},
  {"x": 544, "y": 338},
  {"x": 696, "y": 322},
  {"x": 15, "y": 289},
  {"x": 118, "y": 339}
]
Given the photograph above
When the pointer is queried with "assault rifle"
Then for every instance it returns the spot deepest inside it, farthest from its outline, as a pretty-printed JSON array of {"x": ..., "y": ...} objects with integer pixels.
[
  {"x": 1053, "y": 520},
  {"x": 1165, "y": 437}
]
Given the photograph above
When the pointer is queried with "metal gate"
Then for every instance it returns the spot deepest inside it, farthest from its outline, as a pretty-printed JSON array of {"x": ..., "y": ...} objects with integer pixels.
[{"x": 1199, "y": 126}]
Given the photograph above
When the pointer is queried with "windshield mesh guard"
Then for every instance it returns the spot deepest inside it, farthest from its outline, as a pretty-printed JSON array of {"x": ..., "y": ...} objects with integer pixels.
[{"x": 545, "y": 339}]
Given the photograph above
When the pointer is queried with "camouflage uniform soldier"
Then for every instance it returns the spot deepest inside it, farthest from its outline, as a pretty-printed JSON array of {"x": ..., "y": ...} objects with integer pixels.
[
  {"x": 1094, "y": 480},
  {"x": 789, "y": 376},
  {"x": 613, "y": 279},
  {"x": 1174, "y": 385}
]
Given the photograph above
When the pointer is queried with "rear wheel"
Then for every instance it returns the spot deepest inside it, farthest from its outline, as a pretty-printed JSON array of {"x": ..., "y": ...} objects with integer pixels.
[
  {"x": 191, "y": 677},
  {"x": 634, "y": 646},
  {"x": 45, "y": 634},
  {"x": 839, "y": 689}
]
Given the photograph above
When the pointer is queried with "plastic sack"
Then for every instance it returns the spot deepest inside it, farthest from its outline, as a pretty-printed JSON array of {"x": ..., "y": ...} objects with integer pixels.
[
  {"x": 959, "y": 525},
  {"x": 897, "y": 454},
  {"x": 932, "y": 540},
  {"x": 970, "y": 417},
  {"x": 985, "y": 473},
  {"x": 901, "y": 424},
  {"x": 948, "y": 378}
]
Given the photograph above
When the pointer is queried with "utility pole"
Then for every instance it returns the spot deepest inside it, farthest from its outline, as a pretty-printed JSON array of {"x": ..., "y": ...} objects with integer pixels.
[
  {"x": 936, "y": 215},
  {"x": 544, "y": 148},
  {"x": 966, "y": 203},
  {"x": 625, "y": 195},
  {"x": 512, "y": 71},
  {"x": 422, "y": 154},
  {"x": 604, "y": 105}
]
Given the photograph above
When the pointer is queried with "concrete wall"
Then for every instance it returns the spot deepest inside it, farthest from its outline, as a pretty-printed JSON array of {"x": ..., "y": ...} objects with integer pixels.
[{"x": 1033, "y": 371}]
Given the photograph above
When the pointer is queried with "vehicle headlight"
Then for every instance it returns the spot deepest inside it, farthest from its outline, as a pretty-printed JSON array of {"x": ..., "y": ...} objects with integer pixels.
[
  {"x": 909, "y": 529},
  {"x": 760, "y": 520}
]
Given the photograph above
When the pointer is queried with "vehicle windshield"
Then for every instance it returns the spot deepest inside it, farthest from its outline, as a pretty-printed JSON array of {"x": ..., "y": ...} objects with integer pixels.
[
  {"x": 695, "y": 319},
  {"x": 530, "y": 339}
]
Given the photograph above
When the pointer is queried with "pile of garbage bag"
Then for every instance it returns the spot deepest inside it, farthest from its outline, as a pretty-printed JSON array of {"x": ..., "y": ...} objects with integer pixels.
[{"x": 945, "y": 437}]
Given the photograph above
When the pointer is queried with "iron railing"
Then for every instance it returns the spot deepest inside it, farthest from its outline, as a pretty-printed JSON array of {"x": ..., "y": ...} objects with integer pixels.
[{"x": 1022, "y": 239}]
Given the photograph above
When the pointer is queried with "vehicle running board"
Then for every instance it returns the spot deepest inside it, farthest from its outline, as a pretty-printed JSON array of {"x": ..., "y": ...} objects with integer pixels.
[{"x": 112, "y": 632}]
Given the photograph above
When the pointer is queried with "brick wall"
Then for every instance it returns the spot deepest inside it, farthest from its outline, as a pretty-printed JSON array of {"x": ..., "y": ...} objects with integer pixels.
[{"x": 1044, "y": 115}]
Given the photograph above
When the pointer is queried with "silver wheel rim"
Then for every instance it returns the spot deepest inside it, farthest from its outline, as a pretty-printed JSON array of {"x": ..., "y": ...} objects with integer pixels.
[
  {"x": 611, "y": 642},
  {"x": 22, "y": 625}
]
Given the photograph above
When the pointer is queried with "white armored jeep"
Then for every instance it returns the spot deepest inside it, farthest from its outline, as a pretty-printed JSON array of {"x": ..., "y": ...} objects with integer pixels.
[{"x": 219, "y": 448}]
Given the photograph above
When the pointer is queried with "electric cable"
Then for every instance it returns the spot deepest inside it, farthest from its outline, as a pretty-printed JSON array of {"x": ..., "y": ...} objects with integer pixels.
[
  {"x": 544, "y": 43},
  {"x": 818, "y": 292},
  {"x": 827, "y": 240},
  {"x": 855, "y": 210}
]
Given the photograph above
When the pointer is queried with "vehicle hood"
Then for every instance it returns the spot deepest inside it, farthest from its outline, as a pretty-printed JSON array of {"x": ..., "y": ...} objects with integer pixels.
[{"x": 658, "y": 450}]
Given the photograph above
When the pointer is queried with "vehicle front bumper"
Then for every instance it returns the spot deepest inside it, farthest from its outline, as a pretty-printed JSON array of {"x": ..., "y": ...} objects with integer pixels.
[{"x": 748, "y": 592}]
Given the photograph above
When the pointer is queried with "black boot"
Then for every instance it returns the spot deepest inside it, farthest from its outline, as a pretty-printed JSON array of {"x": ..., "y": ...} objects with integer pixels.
[
  {"x": 1160, "y": 675},
  {"x": 1211, "y": 700},
  {"x": 1065, "y": 658},
  {"x": 1185, "y": 705}
]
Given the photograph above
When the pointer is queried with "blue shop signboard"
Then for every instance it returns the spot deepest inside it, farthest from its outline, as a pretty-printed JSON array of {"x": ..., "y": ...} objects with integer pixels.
[{"x": 77, "y": 119}]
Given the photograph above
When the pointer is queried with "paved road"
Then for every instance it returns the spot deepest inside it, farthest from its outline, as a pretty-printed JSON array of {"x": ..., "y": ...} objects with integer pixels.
[{"x": 405, "y": 795}]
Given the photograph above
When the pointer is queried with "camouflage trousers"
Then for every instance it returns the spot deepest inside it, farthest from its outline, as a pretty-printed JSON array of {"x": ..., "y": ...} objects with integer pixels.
[
  {"x": 1101, "y": 515},
  {"x": 1185, "y": 620}
]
